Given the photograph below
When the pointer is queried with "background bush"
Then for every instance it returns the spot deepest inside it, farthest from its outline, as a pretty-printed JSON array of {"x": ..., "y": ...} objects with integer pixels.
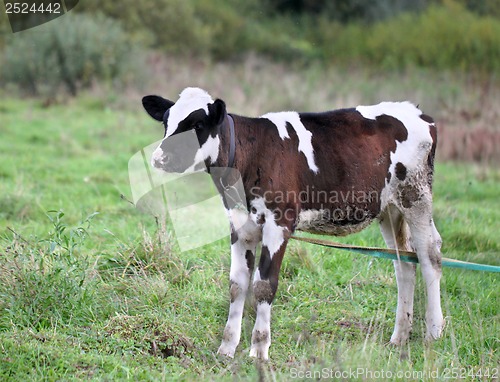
[
  {"x": 441, "y": 37},
  {"x": 70, "y": 52},
  {"x": 190, "y": 27},
  {"x": 346, "y": 11},
  {"x": 99, "y": 41},
  {"x": 440, "y": 34}
]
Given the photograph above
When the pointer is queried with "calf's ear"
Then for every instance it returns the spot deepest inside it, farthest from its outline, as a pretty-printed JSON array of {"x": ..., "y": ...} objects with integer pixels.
[
  {"x": 156, "y": 106},
  {"x": 217, "y": 111}
]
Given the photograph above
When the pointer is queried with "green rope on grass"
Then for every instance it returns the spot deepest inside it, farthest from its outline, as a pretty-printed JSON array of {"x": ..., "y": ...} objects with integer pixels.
[{"x": 392, "y": 254}]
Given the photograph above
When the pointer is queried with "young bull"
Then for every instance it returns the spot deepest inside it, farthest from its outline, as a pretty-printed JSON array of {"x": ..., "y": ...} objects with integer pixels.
[{"x": 328, "y": 173}]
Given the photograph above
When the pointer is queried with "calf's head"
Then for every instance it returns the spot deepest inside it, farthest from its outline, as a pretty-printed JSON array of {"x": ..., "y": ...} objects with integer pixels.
[{"x": 192, "y": 126}]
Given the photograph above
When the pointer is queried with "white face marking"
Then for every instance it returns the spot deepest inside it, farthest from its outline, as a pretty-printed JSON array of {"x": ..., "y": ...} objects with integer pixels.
[
  {"x": 304, "y": 135},
  {"x": 190, "y": 99},
  {"x": 272, "y": 233},
  {"x": 210, "y": 149}
]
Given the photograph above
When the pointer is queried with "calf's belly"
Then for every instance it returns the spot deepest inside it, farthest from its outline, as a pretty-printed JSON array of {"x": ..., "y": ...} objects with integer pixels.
[{"x": 333, "y": 222}]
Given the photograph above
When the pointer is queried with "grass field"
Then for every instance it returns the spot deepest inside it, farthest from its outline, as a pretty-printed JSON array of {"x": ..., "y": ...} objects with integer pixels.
[{"x": 109, "y": 296}]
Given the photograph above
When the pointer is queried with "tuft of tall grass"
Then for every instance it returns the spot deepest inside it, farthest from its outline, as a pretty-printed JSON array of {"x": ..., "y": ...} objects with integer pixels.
[{"x": 47, "y": 282}]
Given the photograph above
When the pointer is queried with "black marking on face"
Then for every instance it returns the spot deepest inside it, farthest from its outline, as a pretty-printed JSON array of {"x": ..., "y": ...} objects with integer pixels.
[{"x": 196, "y": 120}]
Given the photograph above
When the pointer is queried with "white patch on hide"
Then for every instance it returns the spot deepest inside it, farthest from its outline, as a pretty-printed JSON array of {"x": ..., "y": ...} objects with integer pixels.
[
  {"x": 272, "y": 233},
  {"x": 256, "y": 275},
  {"x": 279, "y": 119},
  {"x": 411, "y": 152},
  {"x": 304, "y": 135},
  {"x": 248, "y": 232}
]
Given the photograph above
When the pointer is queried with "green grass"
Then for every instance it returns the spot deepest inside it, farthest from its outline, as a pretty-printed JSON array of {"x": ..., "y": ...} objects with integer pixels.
[{"x": 111, "y": 297}]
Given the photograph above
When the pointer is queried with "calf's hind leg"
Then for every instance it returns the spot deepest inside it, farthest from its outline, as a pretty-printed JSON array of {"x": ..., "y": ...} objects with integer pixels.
[
  {"x": 396, "y": 235},
  {"x": 427, "y": 243}
]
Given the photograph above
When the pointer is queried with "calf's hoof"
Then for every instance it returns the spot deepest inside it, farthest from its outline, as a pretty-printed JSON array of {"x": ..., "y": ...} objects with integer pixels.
[
  {"x": 260, "y": 352},
  {"x": 226, "y": 350},
  {"x": 434, "y": 331}
]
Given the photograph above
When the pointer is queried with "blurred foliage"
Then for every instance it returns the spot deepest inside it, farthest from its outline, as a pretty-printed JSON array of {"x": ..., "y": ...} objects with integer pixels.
[
  {"x": 200, "y": 27},
  {"x": 5, "y": 29},
  {"x": 392, "y": 34},
  {"x": 440, "y": 34},
  {"x": 71, "y": 51},
  {"x": 480, "y": 7},
  {"x": 168, "y": 23},
  {"x": 370, "y": 11},
  {"x": 346, "y": 11},
  {"x": 441, "y": 37}
]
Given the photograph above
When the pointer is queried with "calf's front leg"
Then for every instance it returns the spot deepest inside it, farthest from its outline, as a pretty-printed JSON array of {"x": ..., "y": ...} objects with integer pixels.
[
  {"x": 242, "y": 264},
  {"x": 265, "y": 284}
]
